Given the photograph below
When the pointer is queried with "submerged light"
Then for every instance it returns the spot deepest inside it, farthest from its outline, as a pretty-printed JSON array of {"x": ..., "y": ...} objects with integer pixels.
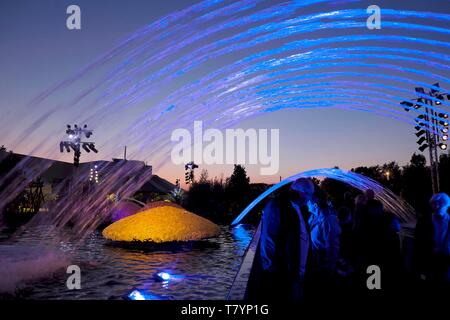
[
  {"x": 162, "y": 276},
  {"x": 139, "y": 295},
  {"x": 136, "y": 295}
]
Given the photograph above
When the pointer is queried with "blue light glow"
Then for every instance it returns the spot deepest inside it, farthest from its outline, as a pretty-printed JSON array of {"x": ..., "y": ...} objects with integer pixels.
[
  {"x": 136, "y": 295},
  {"x": 390, "y": 201},
  {"x": 139, "y": 295},
  {"x": 242, "y": 233},
  {"x": 164, "y": 276},
  {"x": 262, "y": 45}
]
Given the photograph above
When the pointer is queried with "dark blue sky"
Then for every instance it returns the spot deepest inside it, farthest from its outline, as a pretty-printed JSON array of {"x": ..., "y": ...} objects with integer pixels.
[{"x": 38, "y": 51}]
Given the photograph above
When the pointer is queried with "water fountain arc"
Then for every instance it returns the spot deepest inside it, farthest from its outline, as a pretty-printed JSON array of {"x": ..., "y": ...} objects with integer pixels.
[{"x": 392, "y": 203}]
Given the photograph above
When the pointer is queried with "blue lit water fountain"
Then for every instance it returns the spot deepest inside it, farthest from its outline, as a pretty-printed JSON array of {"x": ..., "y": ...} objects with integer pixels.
[{"x": 223, "y": 62}]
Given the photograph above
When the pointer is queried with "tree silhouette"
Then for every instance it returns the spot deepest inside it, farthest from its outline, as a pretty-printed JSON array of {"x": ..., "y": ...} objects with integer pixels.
[
  {"x": 238, "y": 189},
  {"x": 416, "y": 182}
]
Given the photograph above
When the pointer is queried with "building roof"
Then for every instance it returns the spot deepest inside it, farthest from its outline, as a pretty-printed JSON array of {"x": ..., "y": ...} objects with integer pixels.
[
  {"x": 158, "y": 185},
  {"x": 59, "y": 170}
]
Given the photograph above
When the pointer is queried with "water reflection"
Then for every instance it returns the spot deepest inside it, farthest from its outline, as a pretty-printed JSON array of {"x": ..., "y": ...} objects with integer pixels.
[
  {"x": 203, "y": 271},
  {"x": 243, "y": 233}
]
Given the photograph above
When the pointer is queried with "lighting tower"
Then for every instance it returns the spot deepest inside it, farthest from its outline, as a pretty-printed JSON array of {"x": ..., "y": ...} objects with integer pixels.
[
  {"x": 75, "y": 143},
  {"x": 431, "y": 126},
  {"x": 189, "y": 175}
]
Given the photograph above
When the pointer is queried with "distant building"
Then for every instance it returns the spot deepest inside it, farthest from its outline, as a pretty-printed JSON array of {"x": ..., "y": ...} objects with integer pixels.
[{"x": 59, "y": 171}]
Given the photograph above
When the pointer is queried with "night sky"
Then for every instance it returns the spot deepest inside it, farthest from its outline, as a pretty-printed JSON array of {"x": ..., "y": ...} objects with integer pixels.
[{"x": 37, "y": 51}]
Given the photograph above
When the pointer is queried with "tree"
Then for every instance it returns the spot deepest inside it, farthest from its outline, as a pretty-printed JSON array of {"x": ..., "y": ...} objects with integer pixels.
[
  {"x": 418, "y": 160},
  {"x": 373, "y": 172},
  {"x": 238, "y": 190},
  {"x": 206, "y": 198},
  {"x": 239, "y": 178},
  {"x": 416, "y": 183},
  {"x": 392, "y": 176},
  {"x": 203, "y": 176}
]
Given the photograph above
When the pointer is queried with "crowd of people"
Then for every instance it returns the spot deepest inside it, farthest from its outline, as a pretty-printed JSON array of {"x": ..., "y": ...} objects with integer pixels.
[{"x": 310, "y": 249}]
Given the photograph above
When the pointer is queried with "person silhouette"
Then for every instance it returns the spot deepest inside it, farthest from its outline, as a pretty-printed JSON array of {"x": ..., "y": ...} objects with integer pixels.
[
  {"x": 284, "y": 244},
  {"x": 432, "y": 242}
]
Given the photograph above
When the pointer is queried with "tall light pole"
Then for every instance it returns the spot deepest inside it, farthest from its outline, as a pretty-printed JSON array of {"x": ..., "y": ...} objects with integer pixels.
[
  {"x": 75, "y": 143},
  {"x": 189, "y": 175},
  {"x": 432, "y": 127}
]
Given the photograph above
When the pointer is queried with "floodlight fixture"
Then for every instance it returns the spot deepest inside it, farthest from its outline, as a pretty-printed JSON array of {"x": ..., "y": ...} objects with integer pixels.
[
  {"x": 406, "y": 105},
  {"x": 421, "y": 132},
  {"x": 423, "y": 147},
  {"x": 92, "y": 147},
  {"x": 434, "y": 91},
  {"x": 75, "y": 142},
  {"x": 86, "y": 148},
  {"x": 419, "y": 90},
  {"x": 421, "y": 140}
]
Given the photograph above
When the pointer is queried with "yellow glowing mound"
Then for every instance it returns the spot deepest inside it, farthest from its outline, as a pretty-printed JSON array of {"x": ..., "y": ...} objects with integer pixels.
[{"x": 161, "y": 224}]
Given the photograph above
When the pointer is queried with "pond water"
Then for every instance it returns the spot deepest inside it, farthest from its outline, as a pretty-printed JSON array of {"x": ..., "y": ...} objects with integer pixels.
[{"x": 204, "y": 270}]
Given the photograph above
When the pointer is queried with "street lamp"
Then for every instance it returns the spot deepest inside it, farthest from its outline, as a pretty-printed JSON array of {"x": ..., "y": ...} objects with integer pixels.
[{"x": 75, "y": 143}]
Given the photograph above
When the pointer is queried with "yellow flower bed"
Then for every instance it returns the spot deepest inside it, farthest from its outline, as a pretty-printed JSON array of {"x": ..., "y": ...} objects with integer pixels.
[{"x": 161, "y": 224}]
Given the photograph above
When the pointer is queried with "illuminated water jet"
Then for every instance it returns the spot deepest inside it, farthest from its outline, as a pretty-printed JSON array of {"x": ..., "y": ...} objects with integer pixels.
[
  {"x": 391, "y": 202},
  {"x": 133, "y": 76},
  {"x": 267, "y": 57}
]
